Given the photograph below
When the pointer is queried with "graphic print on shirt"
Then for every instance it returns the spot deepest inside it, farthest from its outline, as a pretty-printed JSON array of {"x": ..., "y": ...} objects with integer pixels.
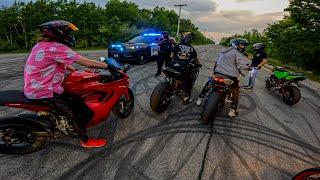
[
  {"x": 31, "y": 95},
  {"x": 57, "y": 78},
  {"x": 185, "y": 52},
  {"x": 36, "y": 84},
  {"x": 40, "y": 55},
  {"x": 29, "y": 69},
  {"x": 70, "y": 54},
  {"x": 53, "y": 49},
  {"x": 47, "y": 71}
]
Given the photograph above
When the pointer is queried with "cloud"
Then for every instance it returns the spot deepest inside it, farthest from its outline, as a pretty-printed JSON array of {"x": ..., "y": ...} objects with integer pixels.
[
  {"x": 193, "y": 6},
  {"x": 238, "y": 21}
]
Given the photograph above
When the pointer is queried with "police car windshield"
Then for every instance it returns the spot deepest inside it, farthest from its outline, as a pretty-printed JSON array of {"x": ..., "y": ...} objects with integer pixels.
[{"x": 144, "y": 39}]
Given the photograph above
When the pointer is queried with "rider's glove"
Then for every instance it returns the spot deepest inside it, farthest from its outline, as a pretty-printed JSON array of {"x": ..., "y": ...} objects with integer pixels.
[
  {"x": 112, "y": 68},
  {"x": 199, "y": 65}
]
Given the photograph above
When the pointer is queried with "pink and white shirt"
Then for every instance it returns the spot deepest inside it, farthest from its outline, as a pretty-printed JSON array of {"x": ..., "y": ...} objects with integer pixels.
[{"x": 45, "y": 68}]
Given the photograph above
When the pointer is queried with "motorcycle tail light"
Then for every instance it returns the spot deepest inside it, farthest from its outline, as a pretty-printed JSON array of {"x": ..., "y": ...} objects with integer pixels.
[{"x": 218, "y": 79}]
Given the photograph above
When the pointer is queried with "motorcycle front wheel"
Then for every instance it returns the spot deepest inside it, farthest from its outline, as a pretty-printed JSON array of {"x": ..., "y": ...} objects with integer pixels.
[
  {"x": 161, "y": 97},
  {"x": 125, "y": 106},
  {"x": 313, "y": 173},
  {"x": 211, "y": 107},
  {"x": 19, "y": 139}
]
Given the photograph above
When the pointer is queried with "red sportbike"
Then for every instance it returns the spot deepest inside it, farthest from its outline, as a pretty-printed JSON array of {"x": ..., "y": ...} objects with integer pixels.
[{"x": 103, "y": 92}]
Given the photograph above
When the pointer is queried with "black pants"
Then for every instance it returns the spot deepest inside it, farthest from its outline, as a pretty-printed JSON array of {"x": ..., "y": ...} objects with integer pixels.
[
  {"x": 188, "y": 82},
  {"x": 73, "y": 107},
  {"x": 163, "y": 58}
]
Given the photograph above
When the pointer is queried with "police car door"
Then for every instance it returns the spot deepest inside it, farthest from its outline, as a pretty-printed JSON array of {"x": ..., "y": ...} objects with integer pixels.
[{"x": 155, "y": 48}]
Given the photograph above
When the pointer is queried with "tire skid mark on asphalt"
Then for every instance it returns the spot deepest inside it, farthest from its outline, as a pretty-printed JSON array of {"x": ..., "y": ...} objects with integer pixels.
[
  {"x": 292, "y": 133},
  {"x": 268, "y": 132},
  {"x": 288, "y": 130},
  {"x": 205, "y": 153},
  {"x": 225, "y": 128},
  {"x": 311, "y": 91},
  {"x": 154, "y": 131},
  {"x": 142, "y": 164},
  {"x": 314, "y": 106},
  {"x": 234, "y": 133},
  {"x": 290, "y": 175},
  {"x": 311, "y": 128},
  {"x": 187, "y": 157}
]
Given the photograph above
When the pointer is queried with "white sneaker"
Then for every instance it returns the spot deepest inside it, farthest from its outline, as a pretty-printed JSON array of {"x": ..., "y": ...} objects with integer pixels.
[
  {"x": 199, "y": 101},
  {"x": 232, "y": 113},
  {"x": 187, "y": 100}
]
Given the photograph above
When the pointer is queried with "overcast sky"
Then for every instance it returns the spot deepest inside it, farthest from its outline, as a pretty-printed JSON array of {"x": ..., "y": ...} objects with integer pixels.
[{"x": 231, "y": 16}]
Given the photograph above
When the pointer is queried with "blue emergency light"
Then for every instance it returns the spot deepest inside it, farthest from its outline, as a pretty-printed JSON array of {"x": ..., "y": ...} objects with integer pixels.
[
  {"x": 116, "y": 46},
  {"x": 152, "y": 34}
]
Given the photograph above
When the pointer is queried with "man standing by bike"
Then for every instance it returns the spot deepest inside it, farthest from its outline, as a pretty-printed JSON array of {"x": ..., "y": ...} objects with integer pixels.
[
  {"x": 259, "y": 59},
  {"x": 229, "y": 64},
  {"x": 166, "y": 46},
  {"x": 184, "y": 53}
]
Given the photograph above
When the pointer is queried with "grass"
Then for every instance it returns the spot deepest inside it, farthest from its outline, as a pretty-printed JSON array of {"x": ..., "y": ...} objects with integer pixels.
[{"x": 311, "y": 75}]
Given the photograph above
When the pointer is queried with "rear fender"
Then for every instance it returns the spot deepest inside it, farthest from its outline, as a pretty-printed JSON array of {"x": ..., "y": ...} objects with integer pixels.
[{"x": 26, "y": 120}]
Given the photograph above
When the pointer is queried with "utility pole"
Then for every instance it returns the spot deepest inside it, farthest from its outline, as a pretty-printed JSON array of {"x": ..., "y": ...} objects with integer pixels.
[{"x": 179, "y": 5}]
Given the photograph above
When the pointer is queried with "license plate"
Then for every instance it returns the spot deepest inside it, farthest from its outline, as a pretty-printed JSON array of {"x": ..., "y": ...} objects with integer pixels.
[{"x": 116, "y": 55}]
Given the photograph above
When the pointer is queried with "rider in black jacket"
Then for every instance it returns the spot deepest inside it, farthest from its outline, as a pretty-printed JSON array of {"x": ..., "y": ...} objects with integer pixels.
[{"x": 185, "y": 53}]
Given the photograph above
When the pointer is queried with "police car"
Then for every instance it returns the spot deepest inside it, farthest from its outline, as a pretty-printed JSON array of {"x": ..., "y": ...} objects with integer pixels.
[{"x": 140, "y": 49}]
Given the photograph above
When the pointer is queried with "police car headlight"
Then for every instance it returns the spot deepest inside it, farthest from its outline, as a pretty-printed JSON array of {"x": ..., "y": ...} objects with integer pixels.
[{"x": 132, "y": 47}]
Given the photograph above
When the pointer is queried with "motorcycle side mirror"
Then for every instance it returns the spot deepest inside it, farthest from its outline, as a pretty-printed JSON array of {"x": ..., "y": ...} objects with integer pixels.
[{"x": 102, "y": 59}]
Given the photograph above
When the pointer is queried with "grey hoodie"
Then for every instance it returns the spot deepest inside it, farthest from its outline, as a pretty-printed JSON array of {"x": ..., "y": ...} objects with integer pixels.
[{"x": 230, "y": 62}]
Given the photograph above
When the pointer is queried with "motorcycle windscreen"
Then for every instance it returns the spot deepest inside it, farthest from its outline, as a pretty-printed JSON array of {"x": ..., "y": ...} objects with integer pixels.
[{"x": 114, "y": 63}]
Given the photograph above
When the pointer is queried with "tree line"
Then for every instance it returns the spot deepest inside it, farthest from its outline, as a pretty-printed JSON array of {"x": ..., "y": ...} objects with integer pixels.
[
  {"x": 99, "y": 26},
  {"x": 295, "y": 40}
]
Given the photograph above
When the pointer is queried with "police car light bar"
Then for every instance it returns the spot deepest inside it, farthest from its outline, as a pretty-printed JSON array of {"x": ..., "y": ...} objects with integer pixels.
[
  {"x": 116, "y": 46},
  {"x": 152, "y": 34}
]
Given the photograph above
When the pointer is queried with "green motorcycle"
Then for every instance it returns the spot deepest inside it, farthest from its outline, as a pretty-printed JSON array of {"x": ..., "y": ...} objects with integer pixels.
[{"x": 283, "y": 80}]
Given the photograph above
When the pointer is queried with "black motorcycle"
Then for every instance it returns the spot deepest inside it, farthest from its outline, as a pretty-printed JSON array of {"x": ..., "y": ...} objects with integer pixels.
[
  {"x": 164, "y": 92},
  {"x": 216, "y": 98}
]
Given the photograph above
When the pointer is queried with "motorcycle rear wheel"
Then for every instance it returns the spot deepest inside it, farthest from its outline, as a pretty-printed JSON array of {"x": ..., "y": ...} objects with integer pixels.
[
  {"x": 211, "y": 107},
  {"x": 160, "y": 97},
  {"x": 124, "y": 107},
  {"x": 19, "y": 139},
  {"x": 292, "y": 95}
]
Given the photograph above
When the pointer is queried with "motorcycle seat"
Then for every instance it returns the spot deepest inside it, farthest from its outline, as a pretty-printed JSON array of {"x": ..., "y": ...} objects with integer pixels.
[
  {"x": 172, "y": 71},
  {"x": 295, "y": 74},
  {"x": 281, "y": 69},
  {"x": 14, "y": 96}
]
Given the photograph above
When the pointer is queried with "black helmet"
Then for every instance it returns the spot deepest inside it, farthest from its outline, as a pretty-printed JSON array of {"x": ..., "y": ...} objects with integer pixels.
[
  {"x": 186, "y": 37},
  {"x": 59, "y": 30},
  {"x": 237, "y": 41},
  {"x": 165, "y": 34},
  {"x": 259, "y": 46}
]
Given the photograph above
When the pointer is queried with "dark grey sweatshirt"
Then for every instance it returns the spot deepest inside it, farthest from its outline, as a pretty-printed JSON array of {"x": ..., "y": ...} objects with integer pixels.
[{"x": 230, "y": 62}]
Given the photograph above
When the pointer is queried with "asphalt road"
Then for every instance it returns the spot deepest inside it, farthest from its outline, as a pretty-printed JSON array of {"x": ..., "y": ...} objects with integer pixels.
[{"x": 268, "y": 140}]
